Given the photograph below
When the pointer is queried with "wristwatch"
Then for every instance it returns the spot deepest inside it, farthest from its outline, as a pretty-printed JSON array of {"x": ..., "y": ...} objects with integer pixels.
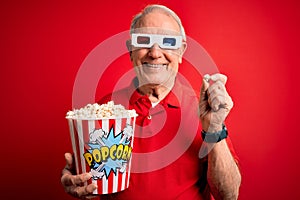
[{"x": 214, "y": 137}]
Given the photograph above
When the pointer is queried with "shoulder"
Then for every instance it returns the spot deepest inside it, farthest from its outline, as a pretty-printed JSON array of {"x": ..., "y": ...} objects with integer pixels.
[{"x": 121, "y": 96}]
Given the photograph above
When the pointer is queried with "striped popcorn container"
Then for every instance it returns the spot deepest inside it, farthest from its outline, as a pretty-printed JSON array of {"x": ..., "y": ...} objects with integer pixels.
[{"x": 104, "y": 148}]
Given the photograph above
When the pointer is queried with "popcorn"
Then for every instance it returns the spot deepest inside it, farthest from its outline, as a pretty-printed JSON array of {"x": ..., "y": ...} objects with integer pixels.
[
  {"x": 103, "y": 111},
  {"x": 207, "y": 77}
]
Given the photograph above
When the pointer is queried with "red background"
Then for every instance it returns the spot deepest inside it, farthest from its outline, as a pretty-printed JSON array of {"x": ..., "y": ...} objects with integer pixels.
[{"x": 43, "y": 43}]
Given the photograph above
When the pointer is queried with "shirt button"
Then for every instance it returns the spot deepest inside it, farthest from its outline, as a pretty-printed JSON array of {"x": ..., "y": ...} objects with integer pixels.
[{"x": 149, "y": 117}]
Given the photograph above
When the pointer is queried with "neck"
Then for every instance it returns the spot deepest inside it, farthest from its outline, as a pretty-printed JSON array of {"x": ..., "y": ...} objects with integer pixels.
[{"x": 155, "y": 92}]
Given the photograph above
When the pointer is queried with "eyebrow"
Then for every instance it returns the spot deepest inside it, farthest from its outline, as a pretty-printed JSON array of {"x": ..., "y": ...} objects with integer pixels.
[{"x": 156, "y": 31}]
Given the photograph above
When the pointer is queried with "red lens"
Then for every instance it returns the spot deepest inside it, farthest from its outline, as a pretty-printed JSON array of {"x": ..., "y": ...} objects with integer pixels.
[{"x": 143, "y": 40}]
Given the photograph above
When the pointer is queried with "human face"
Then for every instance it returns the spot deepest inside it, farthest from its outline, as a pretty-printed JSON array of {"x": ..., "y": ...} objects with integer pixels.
[{"x": 154, "y": 65}]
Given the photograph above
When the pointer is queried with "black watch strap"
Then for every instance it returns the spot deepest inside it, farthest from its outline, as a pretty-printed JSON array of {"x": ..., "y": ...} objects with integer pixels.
[{"x": 214, "y": 137}]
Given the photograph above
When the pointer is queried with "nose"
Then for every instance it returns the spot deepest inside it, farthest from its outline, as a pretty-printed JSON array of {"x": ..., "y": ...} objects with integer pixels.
[{"x": 155, "y": 51}]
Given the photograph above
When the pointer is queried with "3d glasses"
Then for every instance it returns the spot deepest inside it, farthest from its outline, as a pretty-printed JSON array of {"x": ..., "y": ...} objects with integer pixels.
[{"x": 142, "y": 40}]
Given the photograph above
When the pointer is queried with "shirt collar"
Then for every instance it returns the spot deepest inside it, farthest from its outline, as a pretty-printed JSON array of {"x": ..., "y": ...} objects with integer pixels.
[{"x": 172, "y": 99}]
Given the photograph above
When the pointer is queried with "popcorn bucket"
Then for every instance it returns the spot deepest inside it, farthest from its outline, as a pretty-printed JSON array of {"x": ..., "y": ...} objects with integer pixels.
[{"x": 103, "y": 147}]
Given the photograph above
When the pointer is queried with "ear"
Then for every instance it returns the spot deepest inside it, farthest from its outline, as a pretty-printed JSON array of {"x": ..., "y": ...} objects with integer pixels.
[
  {"x": 181, "y": 51},
  {"x": 129, "y": 47}
]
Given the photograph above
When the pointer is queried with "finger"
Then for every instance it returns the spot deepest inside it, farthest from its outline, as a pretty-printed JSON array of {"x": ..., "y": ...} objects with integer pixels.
[
  {"x": 229, "y": 103},
  {"x": 221, "y": 101},
  {"x": 218, "y": 102},
  {"x": 68, "y": 179},
  {"x": 216, "y": 87},
  {"x": 221, "y": 98},
  {"x": 81, "y": 178},
  {"x": 90, "y": 196},
  {"x": 214, "y": 94},
  {"x": 219, "y": 77},
  {"x": 82, "y": 191},
  {"x": 90, "y": 188}
]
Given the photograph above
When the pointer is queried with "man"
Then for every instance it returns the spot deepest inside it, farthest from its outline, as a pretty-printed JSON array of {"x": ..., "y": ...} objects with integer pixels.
[{"x": 168, "y": 122}]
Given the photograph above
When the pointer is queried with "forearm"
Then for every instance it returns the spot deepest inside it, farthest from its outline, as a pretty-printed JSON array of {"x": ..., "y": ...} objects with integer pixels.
[{"x": 223, "y": 174}]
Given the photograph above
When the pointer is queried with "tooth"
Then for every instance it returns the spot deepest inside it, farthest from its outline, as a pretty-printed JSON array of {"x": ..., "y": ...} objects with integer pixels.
[{"x": 155, "y": 65}]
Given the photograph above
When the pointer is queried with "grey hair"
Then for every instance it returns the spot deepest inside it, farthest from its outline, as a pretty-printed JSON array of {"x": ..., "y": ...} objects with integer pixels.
[{"x": 150, "y": 8}]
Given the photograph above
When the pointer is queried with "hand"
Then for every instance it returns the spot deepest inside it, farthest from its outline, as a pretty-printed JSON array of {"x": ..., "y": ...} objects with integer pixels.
[
  {"x": 215, "y": 103},
  {"x": 73, "y": 183}
]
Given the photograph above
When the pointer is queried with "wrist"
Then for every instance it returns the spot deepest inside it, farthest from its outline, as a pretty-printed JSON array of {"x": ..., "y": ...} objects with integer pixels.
[{"x": 214, "y": 137}]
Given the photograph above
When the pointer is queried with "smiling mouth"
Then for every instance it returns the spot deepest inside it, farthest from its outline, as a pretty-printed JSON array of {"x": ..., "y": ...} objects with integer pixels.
[{"x": 154, "y": 66}]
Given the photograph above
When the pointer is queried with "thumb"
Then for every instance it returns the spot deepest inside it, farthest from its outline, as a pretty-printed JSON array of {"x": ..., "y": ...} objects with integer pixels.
[
  {"x": 204, "y": 88},
  {"x": 203, "y": 104},
  {"x": 69, "y": 160}
]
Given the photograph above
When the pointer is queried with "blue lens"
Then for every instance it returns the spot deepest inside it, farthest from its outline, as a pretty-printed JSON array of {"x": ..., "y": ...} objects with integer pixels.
[{"x": 169, "y": 41}]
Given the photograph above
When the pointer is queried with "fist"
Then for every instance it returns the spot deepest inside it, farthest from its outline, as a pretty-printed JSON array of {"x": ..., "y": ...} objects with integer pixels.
[{"x": 215, "y": 103}]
